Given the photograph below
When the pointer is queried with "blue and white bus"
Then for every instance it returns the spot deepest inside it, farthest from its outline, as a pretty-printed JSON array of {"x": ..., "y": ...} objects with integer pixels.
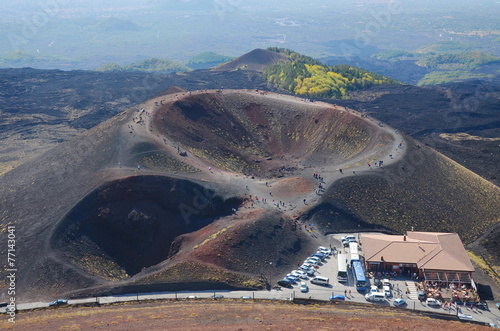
[
  {"x": 342, "y": 268},
  {"x": 359, "y": 275}
]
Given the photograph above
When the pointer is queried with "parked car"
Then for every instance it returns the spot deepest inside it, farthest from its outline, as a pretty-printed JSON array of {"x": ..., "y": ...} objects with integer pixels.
[
  {"x": 315, "y": 260},
  {"x": 386, "y": 282},
  {"x": 399, "y": 302},
  {"x": 373, "y": 289},
  {"x": 348, "y": 237},
  {"x": 309, "y": 263},
  {"x": 217, "y": 296},
  {"x": 245, "y": 297},
  {"x": 304, "y": 268},
  {"x": 421, "y": 295},
  {"x": 312, "y": 263},
  {"x": 284, "y": 283},
  {"x": 324, "y": 250},
  {"x": 375, "y": 296},
  {"x": 321, "y": 256},
  {"x": 302, "y": 274},
  {"x": 319, "y": 280},
  {"x": 303, "y": 287},
  {"x": 315, "y": 263},
  {"x": 298, "y": 274},
  {"x": 498, "y": 305},
  {"x": 433, "y": 302},
  {"x": 58, "y": 302},
  {"x": 310, "y": 272},
  {"x": 337, "y": 297},
  {"x": 191, "y": 297}
]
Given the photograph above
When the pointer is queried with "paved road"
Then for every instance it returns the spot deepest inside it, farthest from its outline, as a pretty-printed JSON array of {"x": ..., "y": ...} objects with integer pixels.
[
  {"x": 315, "y": 291},
  {"x": 327, "y": 269}
]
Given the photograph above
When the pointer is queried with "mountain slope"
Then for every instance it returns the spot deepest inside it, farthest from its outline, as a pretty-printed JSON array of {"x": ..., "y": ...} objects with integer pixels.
[
  {"x": 256, "y": 60},
  {"x": 158, "y": 197}
]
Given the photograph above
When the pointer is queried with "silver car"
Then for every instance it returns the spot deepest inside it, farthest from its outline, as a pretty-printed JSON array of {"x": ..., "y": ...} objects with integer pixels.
[{"x": 303, "y": 287}]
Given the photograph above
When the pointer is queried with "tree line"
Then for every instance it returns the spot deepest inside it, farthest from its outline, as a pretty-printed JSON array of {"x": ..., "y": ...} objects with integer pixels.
[{"x": 306, "y": 76}]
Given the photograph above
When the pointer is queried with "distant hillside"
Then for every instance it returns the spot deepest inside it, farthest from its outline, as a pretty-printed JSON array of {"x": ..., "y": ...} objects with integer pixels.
[
  {"x": 256, "y": 60},
  {"x": 443, "y": 47},
  {"x": 443, "y": 77},
  {"x": 19, "y": 59},
  {"x": 434, "y": 64},
  {"x": 465, "y": 60},
  {"x": 207, "y": 60},
  {"x": 149, "y": 65},
  {"x": 306, "y": 76},
  {"x": 392, "y": 54}
]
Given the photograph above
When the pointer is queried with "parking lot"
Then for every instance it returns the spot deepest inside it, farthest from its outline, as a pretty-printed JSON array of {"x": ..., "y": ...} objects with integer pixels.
[
  {"x": 401, "y": 287},
  {"x": 329, "y": 268}
]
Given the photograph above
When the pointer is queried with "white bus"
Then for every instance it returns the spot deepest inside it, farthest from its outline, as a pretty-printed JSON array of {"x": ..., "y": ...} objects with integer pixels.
[
  {"x": 353, "y": 248},
  {"x": 342, "y": 270}
]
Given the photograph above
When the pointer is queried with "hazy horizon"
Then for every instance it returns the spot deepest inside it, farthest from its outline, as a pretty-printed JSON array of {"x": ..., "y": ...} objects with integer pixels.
[{"x": 85, "y": 34}]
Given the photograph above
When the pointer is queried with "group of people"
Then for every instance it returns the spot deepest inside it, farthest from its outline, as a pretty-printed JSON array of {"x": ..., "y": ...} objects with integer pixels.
[{"x": 317, "y": 176}]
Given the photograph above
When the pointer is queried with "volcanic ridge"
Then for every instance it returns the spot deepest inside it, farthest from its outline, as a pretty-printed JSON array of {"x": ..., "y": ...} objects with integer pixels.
[{"x": 200, "y": 189}]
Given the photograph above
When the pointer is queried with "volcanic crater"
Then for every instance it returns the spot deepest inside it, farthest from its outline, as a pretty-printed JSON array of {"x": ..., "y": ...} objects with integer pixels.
[
  {"x": 201, "y": 189},
  {"x": 132, "y": 222}
]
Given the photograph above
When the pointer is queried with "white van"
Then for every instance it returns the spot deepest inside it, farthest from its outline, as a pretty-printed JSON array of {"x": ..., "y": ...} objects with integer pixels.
[
  {"x": 348, "y": 237},
  {"x": 433, "y": 302},
  {"x": 387, "y": 291},
  {"x": 375, "y": 296},
  {"x": 320, "y": 280}
]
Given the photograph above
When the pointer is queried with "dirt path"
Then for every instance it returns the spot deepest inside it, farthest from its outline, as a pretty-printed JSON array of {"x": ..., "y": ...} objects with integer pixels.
[{"x": 288, "y": 195}]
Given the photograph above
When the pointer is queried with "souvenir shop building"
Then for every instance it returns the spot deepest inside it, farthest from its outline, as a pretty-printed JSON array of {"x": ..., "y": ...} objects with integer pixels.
[{"x": 434, "y": 256}]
